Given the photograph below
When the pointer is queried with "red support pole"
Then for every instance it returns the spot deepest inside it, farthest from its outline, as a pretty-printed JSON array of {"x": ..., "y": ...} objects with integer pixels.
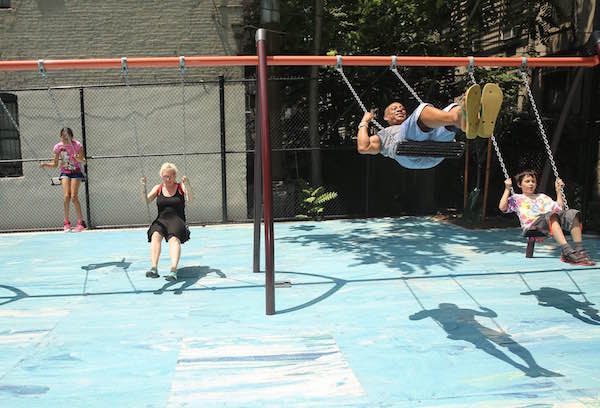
[
  {"x": 251, "y": 60},
  {"x": 261, "y": 36}
]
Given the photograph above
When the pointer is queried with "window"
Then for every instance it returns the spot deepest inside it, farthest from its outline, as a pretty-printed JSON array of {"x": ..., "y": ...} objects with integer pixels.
[
  {"x": 10, "y": 145},
  {"x": 5, "y": 4}
]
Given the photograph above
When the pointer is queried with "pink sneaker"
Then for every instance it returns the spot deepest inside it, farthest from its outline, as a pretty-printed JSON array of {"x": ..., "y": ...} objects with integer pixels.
[
  {"x": 79, "y": 227},
  {"x": 67, "y": 227}
]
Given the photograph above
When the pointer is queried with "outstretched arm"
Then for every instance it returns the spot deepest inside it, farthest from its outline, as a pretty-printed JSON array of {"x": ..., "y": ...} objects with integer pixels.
[
  {"x": 80, "y": 157},
  {"x": 187, "y": 189},
  {"x": 503, "y": 205},
  {"x": 419, "y": 315},
  {"x": 367, "y": 144},
  {"x": 51, "y": 164},
  {"x": 148, "y": 197},
  {"x": 488, "y": 312},
  {"x": 558, "y": 186}
]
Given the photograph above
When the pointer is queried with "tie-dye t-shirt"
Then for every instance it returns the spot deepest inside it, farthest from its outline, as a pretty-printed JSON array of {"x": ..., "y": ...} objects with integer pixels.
[{"x": 528, "y": 209}]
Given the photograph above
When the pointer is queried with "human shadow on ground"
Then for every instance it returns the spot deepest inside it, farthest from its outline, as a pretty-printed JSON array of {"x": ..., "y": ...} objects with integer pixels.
[
  {"x": 188, "y": 276},
  {"x": 562, "y": 300},
  {"x": 460, "y": 324}
]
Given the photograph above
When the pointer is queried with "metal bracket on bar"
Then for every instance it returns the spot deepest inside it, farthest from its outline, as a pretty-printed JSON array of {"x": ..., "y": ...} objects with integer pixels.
[
  {"x": 339, "y": 63},
  {"x": 124, "y": 65},
  {"x": 182, "y": 63},
  {"x": 394, "y": 66},
  {"x": 41, "y": 68},
  {"x": 471, "y": 64},
  {"x": 524, "y": 64}
]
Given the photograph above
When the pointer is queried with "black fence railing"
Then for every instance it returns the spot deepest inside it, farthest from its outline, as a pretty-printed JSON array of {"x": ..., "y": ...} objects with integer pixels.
[{"x": 208, "y": 130}]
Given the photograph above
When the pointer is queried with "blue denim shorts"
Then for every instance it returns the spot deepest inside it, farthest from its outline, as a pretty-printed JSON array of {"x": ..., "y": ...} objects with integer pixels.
[{"x": 74, "y": 175}]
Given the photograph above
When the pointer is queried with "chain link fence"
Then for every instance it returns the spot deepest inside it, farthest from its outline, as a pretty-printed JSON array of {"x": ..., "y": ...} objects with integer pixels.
[{"x": 207, "y": 128}]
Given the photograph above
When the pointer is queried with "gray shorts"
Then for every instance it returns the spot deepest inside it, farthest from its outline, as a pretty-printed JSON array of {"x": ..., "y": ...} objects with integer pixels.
[{"x": 566, "y": 219}]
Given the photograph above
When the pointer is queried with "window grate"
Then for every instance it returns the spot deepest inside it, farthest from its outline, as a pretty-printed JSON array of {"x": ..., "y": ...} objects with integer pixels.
[{"x": 10, "y": 143}]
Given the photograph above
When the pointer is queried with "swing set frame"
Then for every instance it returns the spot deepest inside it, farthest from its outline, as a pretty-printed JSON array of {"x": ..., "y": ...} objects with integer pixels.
[{"x": 262, "y": 61}]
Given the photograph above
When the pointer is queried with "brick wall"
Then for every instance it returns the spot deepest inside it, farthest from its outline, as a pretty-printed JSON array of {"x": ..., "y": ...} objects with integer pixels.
[{"x": 34, "y": 29}]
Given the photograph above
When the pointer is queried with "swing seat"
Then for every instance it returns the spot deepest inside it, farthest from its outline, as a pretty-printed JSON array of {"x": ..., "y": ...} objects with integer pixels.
[
  {"x": 447, "y": 150},
  {"x": 55, "y": 181},
  {"x": 532, "y": 236}
]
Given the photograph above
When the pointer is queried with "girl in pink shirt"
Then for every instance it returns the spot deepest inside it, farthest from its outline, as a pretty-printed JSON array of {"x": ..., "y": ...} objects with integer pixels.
[{"x": 69, "y": 152}]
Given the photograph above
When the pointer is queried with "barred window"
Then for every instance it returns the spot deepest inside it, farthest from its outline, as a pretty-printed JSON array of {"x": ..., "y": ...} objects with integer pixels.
[
  {"x": 10, "y": 144},
  {"x": 5, "y": 4}
]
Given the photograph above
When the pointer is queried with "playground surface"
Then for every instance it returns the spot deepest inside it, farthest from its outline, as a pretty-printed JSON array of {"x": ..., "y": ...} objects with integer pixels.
[{"x": 387, "y": 312}]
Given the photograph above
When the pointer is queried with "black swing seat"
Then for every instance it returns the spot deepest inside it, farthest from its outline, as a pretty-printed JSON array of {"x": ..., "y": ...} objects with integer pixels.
[
  {"x": 531, "y": 235},
  {"x": 447, "y": 150},
  {"x": 55, "y": 181}
]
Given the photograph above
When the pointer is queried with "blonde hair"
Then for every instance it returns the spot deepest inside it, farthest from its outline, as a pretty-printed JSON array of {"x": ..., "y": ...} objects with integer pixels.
[{"x": 168, "y": 166}]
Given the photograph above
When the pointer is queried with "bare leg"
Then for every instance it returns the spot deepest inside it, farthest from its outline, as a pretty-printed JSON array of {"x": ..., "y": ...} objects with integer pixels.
[
  {"x": 432, "y": 118},
  {"x": 75, "y": 183},
  {"x": 66, "y": 186},
  {"x": 557, "y": 233},
  {"x": 174, "y": 251},
  {"x": 155, "y": 248},
  {"x": 576, "y": 230}
]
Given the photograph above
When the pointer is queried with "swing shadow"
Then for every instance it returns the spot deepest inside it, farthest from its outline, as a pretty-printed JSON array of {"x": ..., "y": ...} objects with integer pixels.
[
  {"x": 562, "y": 300},
  {"x": 118, "y": 264},
  {"x": 408, "y": 244},
  {"x": 188, "y": 276},
  {"x": 460, "y": 324},
  {"x": 337, "y": 285}
]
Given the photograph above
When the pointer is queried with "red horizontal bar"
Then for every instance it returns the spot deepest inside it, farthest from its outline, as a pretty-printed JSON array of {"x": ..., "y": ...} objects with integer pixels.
[{"x": 245, "y": 60}]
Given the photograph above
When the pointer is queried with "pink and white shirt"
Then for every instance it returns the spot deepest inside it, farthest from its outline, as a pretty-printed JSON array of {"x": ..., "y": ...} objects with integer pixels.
[{"x": 66, "y": 154}]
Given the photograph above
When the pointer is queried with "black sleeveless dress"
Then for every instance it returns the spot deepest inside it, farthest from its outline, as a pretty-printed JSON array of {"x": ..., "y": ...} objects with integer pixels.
[{"x": 171, "y": 216}]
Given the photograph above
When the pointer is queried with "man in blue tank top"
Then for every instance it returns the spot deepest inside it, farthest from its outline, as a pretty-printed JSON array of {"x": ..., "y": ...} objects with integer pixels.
[{"x": 476, "y": 117}]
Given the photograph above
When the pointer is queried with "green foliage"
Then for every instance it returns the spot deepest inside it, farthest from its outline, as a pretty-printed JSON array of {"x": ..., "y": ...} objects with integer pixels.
[{"x": 314, "y": 200}]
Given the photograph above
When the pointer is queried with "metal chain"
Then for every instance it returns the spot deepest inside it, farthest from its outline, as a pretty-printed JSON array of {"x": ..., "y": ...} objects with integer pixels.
[
  {"x": 494, "y": 142},
  {"x": 135, "y": 129},
  {"x": 62, "y": 123},
  {"x": 185, "y": 166},
  {"x": 341, "y": 71},
  {"x": 182, "y": 76},
  {"x": 52, "y": 96},
  {"x": 412, "y": 91},
  {"x": 538, "y": 118}
]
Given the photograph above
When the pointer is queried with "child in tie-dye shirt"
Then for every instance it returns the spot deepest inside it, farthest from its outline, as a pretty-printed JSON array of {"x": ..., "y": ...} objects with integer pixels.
[{"x": 537, "y": 211}]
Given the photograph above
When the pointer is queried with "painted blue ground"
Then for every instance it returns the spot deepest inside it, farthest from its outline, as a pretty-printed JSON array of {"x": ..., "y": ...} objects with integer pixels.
[{"x": 381, "y": 313}]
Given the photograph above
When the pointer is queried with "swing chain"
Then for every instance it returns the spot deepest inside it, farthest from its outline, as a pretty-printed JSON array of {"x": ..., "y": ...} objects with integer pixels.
[
  {"x": 494, "y": 142},
  {"x": 542, "y": 132},
  {"x": 411, "y": 90},
  {"x": 42, "y": 71},
  {"x": 135, "y": 128},
  {"x": 182, "y": 77},
  {"x": 354, "y": 93}
]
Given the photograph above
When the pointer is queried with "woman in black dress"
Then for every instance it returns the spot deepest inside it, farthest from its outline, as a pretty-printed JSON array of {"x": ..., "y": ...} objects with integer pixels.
[{"x": 170, "y": 223}]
